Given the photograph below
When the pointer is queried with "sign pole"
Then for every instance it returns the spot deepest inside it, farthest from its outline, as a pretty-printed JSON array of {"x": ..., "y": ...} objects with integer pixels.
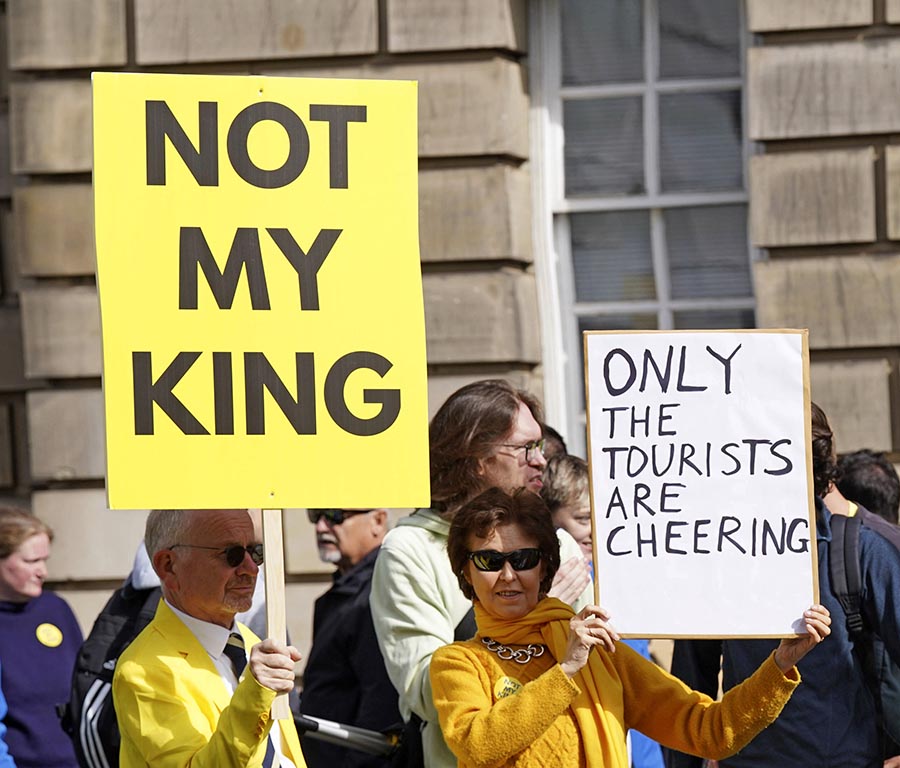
[{"x": 276, "y": 625}]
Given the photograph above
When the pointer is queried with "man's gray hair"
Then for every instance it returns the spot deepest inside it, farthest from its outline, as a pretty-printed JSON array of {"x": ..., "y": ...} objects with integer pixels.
[{"x": 165, "y": 527}]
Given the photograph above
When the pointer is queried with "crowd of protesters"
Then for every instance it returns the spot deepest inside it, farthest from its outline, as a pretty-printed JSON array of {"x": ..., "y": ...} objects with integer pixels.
[{"x": 467, "y": 634}]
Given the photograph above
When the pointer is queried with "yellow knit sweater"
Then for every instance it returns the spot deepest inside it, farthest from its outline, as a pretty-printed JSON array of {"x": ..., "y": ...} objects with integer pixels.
[{"x": 500, "y": 713}]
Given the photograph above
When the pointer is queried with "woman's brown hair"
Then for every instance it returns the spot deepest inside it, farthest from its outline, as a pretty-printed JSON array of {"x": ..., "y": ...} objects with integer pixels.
[{"x": 494, "y": 508}]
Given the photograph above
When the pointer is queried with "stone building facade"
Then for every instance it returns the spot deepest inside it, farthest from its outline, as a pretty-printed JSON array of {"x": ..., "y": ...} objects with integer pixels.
[{"x": 815, "y": 86}]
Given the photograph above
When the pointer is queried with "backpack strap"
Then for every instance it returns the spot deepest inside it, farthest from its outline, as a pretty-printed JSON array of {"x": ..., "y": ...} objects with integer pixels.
[
  {"x": 467, "y": 627},
  {"x": 846, "y": 580}
]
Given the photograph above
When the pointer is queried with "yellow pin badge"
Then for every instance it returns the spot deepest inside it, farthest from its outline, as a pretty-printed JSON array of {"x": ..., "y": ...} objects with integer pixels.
[{"x": 49, "y": 635}]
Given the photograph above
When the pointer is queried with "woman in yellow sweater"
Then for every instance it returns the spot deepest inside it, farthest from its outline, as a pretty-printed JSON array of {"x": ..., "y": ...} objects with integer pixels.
[{"x": 529, "y": 691}]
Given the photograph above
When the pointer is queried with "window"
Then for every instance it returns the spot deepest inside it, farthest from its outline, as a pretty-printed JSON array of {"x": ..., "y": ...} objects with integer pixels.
[{"x": 638, "y": 117}]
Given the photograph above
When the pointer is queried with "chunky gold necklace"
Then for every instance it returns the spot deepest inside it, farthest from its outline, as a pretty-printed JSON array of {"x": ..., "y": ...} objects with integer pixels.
[{"x": 518, "y": 655}]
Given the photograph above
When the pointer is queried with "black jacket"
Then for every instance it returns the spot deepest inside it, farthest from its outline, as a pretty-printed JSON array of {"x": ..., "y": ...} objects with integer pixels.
[
  {"x": 345, "y": 679},
  {"x": 830, "y": 720}
]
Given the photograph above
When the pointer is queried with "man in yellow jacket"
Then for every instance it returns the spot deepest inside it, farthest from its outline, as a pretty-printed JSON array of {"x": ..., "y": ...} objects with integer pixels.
[{"x": 181, "y": 691}]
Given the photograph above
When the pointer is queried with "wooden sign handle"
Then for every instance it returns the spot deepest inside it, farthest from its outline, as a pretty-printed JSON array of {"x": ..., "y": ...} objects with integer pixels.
[{"x": 276, "y": 623}]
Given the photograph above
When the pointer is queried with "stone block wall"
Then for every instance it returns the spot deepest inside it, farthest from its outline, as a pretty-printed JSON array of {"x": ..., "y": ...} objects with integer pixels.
[
  {"x": 14, "y": 473},
  {"x": 823, "y": 91},
  {"x": 468, "y": 56}
]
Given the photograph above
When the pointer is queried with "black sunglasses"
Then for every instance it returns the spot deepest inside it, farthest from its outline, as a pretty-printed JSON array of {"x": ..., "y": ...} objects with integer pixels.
[
  {"x": 519, "y": 559},
  {"x": 333, "y": 516},
  {"x": 234, "y": 555}
]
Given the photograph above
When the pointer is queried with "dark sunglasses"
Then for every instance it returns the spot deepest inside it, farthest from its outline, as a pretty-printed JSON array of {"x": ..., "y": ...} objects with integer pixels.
[
  {"x": 234, "y": 555},
  {"x": 333, "y": 516},
  {"x": 519, "y": 559}
]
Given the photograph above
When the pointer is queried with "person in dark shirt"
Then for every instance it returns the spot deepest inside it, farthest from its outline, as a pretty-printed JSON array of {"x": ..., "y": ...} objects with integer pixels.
[
  {"x": 39, "y": 641},
  {"x": 868, "y": 478},
  {"x": 831, "y": 722},
  {"x": 345, "y": 679}
]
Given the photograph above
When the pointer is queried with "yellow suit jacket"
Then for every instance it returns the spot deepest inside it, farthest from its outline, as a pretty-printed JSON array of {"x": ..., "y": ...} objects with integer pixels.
[{"x": 174, "y": 710}]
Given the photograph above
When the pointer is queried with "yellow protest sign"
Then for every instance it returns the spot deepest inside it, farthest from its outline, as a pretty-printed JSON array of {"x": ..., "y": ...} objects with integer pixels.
[{"x": 260, "y": 291}]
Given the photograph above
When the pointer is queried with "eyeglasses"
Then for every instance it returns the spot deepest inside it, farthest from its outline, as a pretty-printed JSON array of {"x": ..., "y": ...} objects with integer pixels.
[
  {"x": 234, "y": 555},
  {"x": 519, "y": 559},
  {"x": 333, "y": 516},
  {"x": 535, "y": 446}
]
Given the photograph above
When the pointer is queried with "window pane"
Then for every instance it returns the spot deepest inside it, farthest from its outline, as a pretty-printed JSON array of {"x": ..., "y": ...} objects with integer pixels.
[
  {"x": 698, "y": 38},
  {"x": 700, "y": 138},
  {"x": 604, "y": 151},
  {"x": 602, "y": 42},
  {"x": 611, "y": 256},
  {"x": 707, "y": 250},
  {"x": 713, "y": 319}
]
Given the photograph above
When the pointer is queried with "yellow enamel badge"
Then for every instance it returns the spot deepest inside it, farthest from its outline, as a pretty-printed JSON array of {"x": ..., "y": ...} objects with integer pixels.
[
  {"x": 49, "y": 635},
  {"x": 506, "y": 686}
]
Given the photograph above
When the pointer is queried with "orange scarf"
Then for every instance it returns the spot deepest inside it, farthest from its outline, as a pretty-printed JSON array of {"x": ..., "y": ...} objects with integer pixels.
[{"x": 599, "y": 706}]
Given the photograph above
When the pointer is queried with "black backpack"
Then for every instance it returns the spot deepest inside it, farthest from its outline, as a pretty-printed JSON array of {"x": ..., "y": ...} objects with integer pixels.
[
  {"x": 882, "y": 675},
  {"x": 89, "y": 717}
]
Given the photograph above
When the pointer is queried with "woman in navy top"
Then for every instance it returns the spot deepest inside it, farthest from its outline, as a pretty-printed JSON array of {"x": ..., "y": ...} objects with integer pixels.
[{"x": 39, "y": 641}]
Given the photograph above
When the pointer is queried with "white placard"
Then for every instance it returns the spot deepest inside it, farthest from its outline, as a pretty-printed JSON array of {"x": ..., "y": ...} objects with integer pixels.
[{"x": 701, "y": 485}]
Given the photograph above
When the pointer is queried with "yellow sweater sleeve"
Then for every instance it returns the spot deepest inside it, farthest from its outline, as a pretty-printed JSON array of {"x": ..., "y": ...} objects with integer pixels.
[
  {"x": 483, "y": 732},
  {"x": 665, "y": 709}
]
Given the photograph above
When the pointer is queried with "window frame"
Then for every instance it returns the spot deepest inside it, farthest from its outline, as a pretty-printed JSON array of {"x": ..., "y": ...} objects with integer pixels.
[{"x": 559, "y": 310}]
